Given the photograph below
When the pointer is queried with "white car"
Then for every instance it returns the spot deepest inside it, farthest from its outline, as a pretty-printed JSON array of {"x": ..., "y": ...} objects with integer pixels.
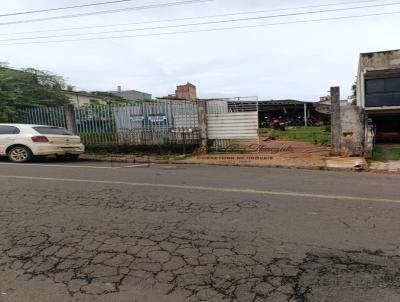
[{"x": 20, "y": 142}]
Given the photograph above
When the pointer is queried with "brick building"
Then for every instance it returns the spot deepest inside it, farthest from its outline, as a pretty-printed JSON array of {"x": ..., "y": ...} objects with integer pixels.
[{"x": 186, "y": 92}]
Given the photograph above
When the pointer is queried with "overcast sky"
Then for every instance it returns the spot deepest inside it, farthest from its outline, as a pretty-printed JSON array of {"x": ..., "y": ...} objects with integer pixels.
[{"x": 299, "y": 61}]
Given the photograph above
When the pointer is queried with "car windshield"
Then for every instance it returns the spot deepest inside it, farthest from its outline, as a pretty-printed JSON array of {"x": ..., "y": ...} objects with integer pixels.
[{"x": 52, "y": 130}]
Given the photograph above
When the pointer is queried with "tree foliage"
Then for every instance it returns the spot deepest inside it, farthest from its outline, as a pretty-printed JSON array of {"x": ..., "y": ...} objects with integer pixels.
[
  {"x": 29, "y": 87},
  {"x": 353, "y": 97},
  {"x": 111, "y": 98}
]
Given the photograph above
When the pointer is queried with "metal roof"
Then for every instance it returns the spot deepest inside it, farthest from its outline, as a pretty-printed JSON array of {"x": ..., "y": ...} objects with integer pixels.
[{"x": 283, "y": 102}]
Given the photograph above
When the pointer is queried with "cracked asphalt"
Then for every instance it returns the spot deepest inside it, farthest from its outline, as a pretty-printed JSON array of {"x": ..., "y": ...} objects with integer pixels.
[{"x": 102, "y": 232}]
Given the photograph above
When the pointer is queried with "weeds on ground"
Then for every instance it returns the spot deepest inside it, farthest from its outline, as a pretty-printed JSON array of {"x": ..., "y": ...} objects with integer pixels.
[
  {"x": 396, "y": 152},
  {"x": 379, "y": 154},
  {"x": 315, "y": 135},
  {"x": 385, "y": 154}
]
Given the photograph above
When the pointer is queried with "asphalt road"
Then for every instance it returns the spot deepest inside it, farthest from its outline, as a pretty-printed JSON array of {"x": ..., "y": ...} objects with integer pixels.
[{"x": 114, "y": 232}]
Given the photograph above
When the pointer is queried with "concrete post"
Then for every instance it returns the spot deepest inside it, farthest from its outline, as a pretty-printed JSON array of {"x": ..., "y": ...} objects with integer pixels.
[
  {"x": 305, "y": 116},
  {"x": 202, "y": 114},
  {"x": 336, "y": 129},
  {"x": 70, "y": 121},
  {"x": 369, "y": 137}
]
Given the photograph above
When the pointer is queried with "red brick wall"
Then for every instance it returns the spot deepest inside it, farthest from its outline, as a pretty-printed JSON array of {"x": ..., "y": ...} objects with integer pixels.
[{"x": 187, "y": 92}]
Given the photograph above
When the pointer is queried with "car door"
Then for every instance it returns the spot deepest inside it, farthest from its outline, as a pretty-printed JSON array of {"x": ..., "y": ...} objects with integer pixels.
[{"x": 7, "y": 137}]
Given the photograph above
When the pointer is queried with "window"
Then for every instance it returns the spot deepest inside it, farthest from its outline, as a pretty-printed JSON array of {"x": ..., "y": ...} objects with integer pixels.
[
  {"x": 52, "y": 130},
  {"x": 8, "y": 130},
  {"x": 392, "y": 85},
  {"x": 382, "y": 92},
  {"x": 375, "y": 86},
  {"x": 382, "y": 85}
]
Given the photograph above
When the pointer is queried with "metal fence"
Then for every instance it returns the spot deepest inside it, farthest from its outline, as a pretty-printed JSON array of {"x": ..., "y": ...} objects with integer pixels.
[
  {"x": 54, "y": 116},
  {"x": 232, "y": 124},
  {"x": 147, "y": 123},
  {"x": 96, "y": 125},
  {"x": 160, "y": 123}
]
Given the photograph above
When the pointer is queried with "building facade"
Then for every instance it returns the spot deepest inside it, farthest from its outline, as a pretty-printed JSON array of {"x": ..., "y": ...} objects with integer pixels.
[
  {"x": 79, "y": 99},
  {"x": 186, "y": 92},
  {"x": 376, "y": 118},
  {"x": 132, "y": 95},
  {"x": 378, "y": 81}
]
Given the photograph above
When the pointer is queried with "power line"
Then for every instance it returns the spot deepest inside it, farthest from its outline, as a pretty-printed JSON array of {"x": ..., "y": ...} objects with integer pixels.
[
  {"x": 202, "y": 23},
  {"x": 103, "y": 12},
  {"x": 203, "y": 30},
  {"x": 63, "y": 8},
  {"x": 189, "y": 18}
]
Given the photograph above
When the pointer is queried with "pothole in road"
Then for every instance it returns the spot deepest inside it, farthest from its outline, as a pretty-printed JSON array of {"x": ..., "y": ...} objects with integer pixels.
[{"x": 339, "y": 276}]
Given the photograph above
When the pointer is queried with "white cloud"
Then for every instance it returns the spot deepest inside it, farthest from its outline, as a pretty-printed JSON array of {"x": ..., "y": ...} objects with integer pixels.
[{"x": 298, "y": 61}]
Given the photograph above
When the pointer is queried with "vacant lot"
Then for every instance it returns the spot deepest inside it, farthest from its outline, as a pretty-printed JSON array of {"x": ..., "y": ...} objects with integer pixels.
[{"x": 315, "y": 135}]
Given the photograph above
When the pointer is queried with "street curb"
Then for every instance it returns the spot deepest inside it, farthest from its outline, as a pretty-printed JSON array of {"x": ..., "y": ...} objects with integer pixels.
[{"x": 141, "y": 160}]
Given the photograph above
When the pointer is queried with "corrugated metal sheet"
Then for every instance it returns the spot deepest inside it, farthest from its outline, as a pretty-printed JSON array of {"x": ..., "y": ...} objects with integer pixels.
[
  {"x": 217, "y": 106},
  {"x": 236, "y": 125},
  {"x": 156, "y": 117}
]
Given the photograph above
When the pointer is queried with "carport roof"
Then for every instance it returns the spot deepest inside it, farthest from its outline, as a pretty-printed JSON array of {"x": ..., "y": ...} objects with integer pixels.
[{"x": 284, "y": 102}]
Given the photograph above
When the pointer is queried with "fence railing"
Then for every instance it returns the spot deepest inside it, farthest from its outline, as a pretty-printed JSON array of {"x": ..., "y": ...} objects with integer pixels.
[
  {"x": 53, "y": 116},
  {"x": 147, "y": 123},
  {"x": 228, "y": 124}
]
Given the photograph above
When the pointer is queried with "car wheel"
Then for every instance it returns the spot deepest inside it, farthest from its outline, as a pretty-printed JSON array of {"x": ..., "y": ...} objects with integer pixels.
[{"x": 19, "y": 154}]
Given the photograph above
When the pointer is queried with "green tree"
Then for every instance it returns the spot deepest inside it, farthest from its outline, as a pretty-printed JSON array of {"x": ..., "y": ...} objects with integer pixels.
[
  {"x": 110, "y": 98},
  {"x": 29, "y": 87},
  {"x": 353, "y": 96}
]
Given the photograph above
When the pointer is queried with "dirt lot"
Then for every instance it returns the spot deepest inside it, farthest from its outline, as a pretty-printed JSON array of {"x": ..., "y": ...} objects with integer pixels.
[{"x": 273, "y": 153}]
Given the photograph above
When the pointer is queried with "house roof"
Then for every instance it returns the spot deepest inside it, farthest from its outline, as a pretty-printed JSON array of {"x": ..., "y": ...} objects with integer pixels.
[
  {"x": 127, "y": 91},
  {"x": 170, "y": 97},
  {"x": 384, "y": 52},
  {"x": 83, "y": 94},
  {"x": 284, "y": 102}
]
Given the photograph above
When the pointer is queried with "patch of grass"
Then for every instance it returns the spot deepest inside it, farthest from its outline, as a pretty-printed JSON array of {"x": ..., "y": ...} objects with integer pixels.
[
  {"x": 108, "y": 138},
  {"x": 262, "y": 131},
  {"x": 396, "y": 152},
  {"x": 315, "y": 135},
  {"x": 379, "y": 154},
  {"x": 385, "y": 154}
]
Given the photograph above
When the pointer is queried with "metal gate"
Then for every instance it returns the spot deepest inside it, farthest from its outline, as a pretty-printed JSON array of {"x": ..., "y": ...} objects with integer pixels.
[{"x": 232, "y": 124}]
